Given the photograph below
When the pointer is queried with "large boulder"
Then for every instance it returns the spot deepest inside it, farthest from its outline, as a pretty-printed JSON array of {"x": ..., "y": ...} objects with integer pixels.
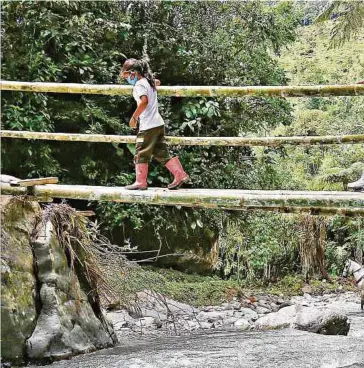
[
  {"x": 307, "y": 319},
  {"x": 18, "y": 282},
  {"x": 281, "y": 319},
  {"x": 323, "y": 322},
  {"x": 69, "y": 322},
  {"x": 47, "y": 311}
]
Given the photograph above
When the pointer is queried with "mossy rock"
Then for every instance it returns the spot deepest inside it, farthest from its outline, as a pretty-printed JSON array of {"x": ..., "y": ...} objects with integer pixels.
[{"x": 18, "y": 307}]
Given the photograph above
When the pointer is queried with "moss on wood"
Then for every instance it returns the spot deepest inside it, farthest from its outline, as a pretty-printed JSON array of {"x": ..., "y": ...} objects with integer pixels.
[
  {"x": 190, "y": 91},
  {"x": 191, "y": 141},
  {"x": 345, "y": 203}
]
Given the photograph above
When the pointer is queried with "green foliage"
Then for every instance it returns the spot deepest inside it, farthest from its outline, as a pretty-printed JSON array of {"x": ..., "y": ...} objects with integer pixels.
[
  {"x": 202, "y": 290},
  {"x": 208, "y": 41},
  {"x": 60, "y": 42},
  {"x": 323, "y": 168},
  {"x": 346, "y": 237},
  {"x": 259, "y": 246},
  {"x": 329, "y": 167},
  {"x": 290, "y": 284},
  {"x": 350, "y": 20},
  {"x": 115, "y": 215},
  {"x": 202, "y": 293}
]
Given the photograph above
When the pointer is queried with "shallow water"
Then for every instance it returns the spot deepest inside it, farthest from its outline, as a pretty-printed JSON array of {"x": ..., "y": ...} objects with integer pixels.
[{"x": 285, "y": 348}]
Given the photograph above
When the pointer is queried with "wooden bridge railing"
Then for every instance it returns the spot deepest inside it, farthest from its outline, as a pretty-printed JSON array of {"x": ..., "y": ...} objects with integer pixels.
[
  {"x": 190, "y": 91},
  {"x": 315, "y": 203},
  {"x": 189, "y": 141}
]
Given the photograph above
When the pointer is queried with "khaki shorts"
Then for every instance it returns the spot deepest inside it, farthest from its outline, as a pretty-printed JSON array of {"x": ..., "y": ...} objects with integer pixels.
[{"x": 151, "y": 143}]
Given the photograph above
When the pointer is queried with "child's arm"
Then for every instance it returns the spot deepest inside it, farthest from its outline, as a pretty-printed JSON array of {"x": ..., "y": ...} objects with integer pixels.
[{"x": 141, "y": 107}]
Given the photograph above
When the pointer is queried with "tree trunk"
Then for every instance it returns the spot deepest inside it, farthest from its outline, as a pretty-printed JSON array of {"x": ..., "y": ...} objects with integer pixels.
[{"x": 312, "y": 244}]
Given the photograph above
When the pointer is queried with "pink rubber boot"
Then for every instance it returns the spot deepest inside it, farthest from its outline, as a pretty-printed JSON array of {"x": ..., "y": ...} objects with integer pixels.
[
  {"x": 180, "y": 176},
  {"x": 141, "y": 171}
]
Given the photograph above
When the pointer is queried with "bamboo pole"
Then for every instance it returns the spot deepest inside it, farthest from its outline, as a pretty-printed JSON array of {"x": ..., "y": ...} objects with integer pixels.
[
  {"x": 190, "y": 91},
  {"x": 32, "y": 182},
  {"x": 189, "y": 141},
  {"x": 345, "y": 203}
]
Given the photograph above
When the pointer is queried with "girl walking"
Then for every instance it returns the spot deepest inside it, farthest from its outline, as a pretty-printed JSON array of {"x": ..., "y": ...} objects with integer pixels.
[{"x": 150, "y": 141}]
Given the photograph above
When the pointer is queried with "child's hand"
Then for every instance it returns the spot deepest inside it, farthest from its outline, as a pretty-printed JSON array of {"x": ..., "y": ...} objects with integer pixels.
[{"x": 133, "y": 122}]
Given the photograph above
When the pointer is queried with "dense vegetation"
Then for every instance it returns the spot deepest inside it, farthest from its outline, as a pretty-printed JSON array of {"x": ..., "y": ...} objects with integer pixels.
[{"x": 192, "y": 43}]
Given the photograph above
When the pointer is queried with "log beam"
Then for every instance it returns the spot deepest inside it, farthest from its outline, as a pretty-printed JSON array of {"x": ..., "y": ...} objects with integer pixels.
[
  {"x": 190, "y": 141},
  {"x": 344, "y": 203},
  {"x": 190, "y": 91},
  {"x": 32, "y": 182}
]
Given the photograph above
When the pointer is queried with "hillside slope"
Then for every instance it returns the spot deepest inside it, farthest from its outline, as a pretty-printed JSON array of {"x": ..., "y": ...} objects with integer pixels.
[{"x": 310, "y": 61}]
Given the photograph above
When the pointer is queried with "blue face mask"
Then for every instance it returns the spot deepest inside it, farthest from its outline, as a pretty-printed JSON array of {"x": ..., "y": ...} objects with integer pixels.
[{"x": 132, "y": 81}]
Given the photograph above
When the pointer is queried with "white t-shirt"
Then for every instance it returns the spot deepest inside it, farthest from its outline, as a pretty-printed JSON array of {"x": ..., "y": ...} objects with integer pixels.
[{"x": 150, "y": 117}]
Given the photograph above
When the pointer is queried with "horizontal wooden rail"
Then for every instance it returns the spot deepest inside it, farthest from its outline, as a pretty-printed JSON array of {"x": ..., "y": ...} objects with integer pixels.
[
  {"x": 190, "y": 91},
  {"x": 32, "y": 182},
  {"x": 189, "y": 141},
  {"x": 345, "y": 203}
]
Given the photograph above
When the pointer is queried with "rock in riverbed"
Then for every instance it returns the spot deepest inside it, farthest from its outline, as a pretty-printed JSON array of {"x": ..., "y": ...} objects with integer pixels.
[
  {"x": 307, "y": 319},
  {"x": 322, "y": 322},
  {"x": 242, "y": 325},
  {"x": 157, "y": 314}
]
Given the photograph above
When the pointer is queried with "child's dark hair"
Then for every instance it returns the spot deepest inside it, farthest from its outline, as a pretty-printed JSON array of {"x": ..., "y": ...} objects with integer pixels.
[{"x": 142, "y": 67}]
